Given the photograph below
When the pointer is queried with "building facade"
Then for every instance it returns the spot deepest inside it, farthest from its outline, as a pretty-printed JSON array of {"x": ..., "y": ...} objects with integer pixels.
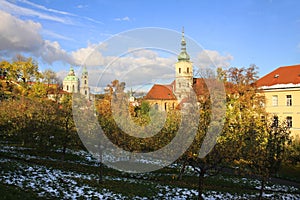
[
  {"x": 71, "y": 83},
  {"x": 281, "y": 89}
]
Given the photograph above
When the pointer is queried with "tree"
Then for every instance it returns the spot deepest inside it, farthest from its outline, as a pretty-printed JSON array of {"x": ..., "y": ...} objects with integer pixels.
[
  {"x": 258, "y": 145},
  {"x": 242, "y": 120},
  {"x": 69, "y": 135},
  {"x": 30, "y": 122},
  {"x": 19, "y": 74},
  {"x": 49, "y": 77}
]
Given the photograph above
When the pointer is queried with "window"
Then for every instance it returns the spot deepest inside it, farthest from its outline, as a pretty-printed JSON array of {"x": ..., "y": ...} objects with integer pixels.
[
  {"x": 179, "y": 70},
  {"x": 188, "y": 70},
  {"x": 274, "y": 100},
  {"x": 289, "y": 121},
  {"x": 67, "y": 87},
  {"x": 275, "y": 121},
  {"x": 85, "y": 92},
  {"x": 289, "y": 100},
  {"x": 166, "y": 106},
  {"x": 85, "y": 82},
  {"x": 73, "y": 89}
]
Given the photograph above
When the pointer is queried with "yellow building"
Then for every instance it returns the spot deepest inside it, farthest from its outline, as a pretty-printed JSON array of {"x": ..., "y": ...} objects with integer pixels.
[{"x": 281, "y": 88}]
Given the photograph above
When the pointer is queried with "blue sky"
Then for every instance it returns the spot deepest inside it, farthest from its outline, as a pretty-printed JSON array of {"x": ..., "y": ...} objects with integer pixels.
[{"x": 234, "y": 33}]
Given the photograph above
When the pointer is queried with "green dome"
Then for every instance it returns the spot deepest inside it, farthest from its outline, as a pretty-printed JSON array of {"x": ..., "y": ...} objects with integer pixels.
[
  {"x": 71, "y": 75},
  {"x": 70, "y": 78},
  {"x": 183, "y": 56}
]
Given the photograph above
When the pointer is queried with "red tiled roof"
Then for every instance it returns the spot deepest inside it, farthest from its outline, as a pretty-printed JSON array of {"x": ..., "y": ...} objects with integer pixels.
[
  {"x": 199, "y": 86},
  {"x": 163, "y": 92},
  {"x": 281, "y": 75}
]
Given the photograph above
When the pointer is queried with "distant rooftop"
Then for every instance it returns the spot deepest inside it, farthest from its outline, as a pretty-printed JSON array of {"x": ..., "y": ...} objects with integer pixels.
[{"x": 286, "y": 75}]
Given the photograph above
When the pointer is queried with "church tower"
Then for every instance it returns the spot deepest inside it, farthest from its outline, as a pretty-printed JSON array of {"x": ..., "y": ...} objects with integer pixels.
[
  {"x": 184, "y": 72},
  {"x": 71, "y": 82},
  {"x": 84, "y": 84}
]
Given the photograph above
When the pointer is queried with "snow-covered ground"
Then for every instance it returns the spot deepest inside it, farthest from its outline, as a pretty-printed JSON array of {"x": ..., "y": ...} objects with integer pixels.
[{"x": 49, "y": 182}]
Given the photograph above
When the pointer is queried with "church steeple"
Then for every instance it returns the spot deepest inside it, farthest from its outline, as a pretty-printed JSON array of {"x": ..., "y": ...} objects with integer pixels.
[
  {"x": 183, "y": 56},
  {"x": 84, "y": 85},
  {"x": 184, "y": 72}
]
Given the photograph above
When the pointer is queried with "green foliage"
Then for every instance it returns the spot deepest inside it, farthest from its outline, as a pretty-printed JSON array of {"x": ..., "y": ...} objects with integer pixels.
[{"x": 293, "y": 152}]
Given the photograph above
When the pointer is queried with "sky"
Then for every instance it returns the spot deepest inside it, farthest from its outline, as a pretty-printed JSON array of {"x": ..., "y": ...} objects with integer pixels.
[{"x": 230, "y": 33}]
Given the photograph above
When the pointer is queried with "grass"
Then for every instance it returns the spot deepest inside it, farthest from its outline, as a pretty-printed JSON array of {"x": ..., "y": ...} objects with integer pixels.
[
  {"x": 290, "y": 172},
  {"x": 10, "y": 192}
]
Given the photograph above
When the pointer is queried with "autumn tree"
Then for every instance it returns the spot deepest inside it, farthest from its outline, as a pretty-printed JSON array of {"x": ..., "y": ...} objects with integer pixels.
[
  {"x": 29, "y": 122},
  {"x": 20, "y": 73},
  {"x": 258, "y": 145},
  {"x": 243, "y": 116},
  {"x": 68, "y": 137}
]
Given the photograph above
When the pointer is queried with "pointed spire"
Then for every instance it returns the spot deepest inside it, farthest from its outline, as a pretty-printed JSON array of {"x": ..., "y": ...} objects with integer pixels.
[
  {"x": 183, "y": 56},
  {"x": 183, "y": 43},
  {"x": 84, "y": 71}
]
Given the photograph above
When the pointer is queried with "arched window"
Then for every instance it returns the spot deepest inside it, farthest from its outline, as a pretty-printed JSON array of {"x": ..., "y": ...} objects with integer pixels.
[
  {"x": 179, "y": 70},
  {"x": 156, "y": 106},
  {"x": 85, "y": 92},
  {"x": 67, "y": 87},
  {"x": 85, "y": 82},
  {"x": 166, "y": 106},
  {"x": 188, "y": 70},
  {"x": 73, "y": 88}
]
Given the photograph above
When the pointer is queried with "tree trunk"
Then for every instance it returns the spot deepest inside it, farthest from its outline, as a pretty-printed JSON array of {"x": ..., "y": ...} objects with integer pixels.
[
  {"x": 200, "y": 185},
  {"x": 100, "y": 181},
  {"x": 182, "y": 169},
  {"x": 262, "y": 188}
]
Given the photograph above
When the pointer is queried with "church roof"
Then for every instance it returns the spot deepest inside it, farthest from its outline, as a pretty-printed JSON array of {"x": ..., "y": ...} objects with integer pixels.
[
  {"x": 71, "y": 75},
  {"x": 160, "y": 92},
  {"x": 287, "y": 76},
  {"x": 166, "y": 92},
  {"x": 84, "y": 71}
]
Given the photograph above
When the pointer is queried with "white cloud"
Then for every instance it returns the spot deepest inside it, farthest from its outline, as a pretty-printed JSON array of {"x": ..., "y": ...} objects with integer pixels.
[
  {"x": 19, "y": 35},
  {"x": 51, "y": 52},
  {"x": 80, "y": 6},
  {"x": 122, "y": 19},
  {"x": 45, "y": 9},
  {"x": 212, "y": 58},
  {"x": 56, "y": 35},
  {"x": 89, "y": 56},
  {"x": 21, "y": 11}
]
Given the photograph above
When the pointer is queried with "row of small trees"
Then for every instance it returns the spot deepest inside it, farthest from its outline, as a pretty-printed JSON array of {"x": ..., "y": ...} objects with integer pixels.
[
  {"x": 250, "y": 143},
  {"x": 27, "y": 116}
]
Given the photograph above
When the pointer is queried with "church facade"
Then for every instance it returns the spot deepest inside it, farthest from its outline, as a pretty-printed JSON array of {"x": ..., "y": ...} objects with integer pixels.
[
  {"x": 72, "y": 84},
  {"x": 166, "y": 97}
]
